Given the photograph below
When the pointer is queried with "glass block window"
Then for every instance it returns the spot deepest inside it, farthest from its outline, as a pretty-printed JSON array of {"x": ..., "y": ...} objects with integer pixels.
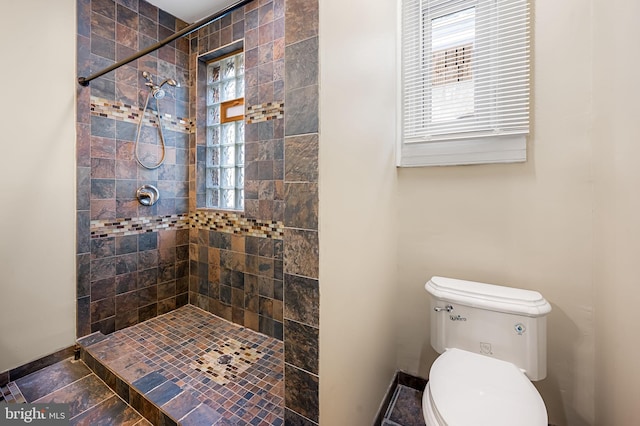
[{"x": 225, "y": 133}]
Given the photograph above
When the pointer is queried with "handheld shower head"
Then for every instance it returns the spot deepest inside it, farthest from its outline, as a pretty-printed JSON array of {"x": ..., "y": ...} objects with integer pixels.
[
  {"x": 157, "y": 92},
  {"x": 170, "y": 82}
]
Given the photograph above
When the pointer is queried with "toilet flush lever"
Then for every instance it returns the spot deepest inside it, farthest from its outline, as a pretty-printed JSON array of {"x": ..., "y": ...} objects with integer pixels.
[{"x": 447, "y": 308}]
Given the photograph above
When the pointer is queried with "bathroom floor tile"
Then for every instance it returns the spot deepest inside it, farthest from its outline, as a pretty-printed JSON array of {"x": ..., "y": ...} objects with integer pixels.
[
  {"x": 52, "y": 378},
  {"x": 405, "y": 408},
  {"x": 112, "y": 411},
  {"x": 80, "y": 395},
  {"x": 91, "y": 401}
]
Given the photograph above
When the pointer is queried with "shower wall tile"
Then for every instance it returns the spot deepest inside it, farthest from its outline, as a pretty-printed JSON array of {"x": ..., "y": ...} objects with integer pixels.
[
  {"x": 104, "y": 7},
  {"x": 110, "y": 263},
  {"x": 301, "y": 392},
  {"x": 103, "y": 26},
  {"x": 232, "y": 265},
  {"x": 301, "y": 205},
  {"x": 301, "y": 20},
  {"x": 83, "y": 144},
  {"x": 83, "y": 274},
  {"x": 301, "y": 346},
  {"x": 302, "y": 158},
  {"x": 83, "y": 188},
  {"x": 82, "y": 232},
  {"x": 303, "y": 299},
  {"x": 302, "y": 64},
  {"x": 291, "y": 418},
  {"x": 301, "y": 252},
  {"x": 83, "y": 17},
  {"x": 127, "y": 17},
  {"x": 103, "y": 47},
  {"x": 301, "y": 111},
  {"x": 83, "y": 316}
]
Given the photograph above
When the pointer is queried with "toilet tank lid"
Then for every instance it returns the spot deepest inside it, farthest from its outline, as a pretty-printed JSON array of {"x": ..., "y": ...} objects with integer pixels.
[{"x": 489, "y": 296}]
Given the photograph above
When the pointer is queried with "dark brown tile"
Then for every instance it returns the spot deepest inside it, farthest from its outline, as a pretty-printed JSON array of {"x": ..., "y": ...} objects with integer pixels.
[
  {"x": 301, "y": 64},
  {"x": 144, "y": 406},
  {"x": 111, "y": 411},
  {"x": 164, "y": 393},
  {"x": 301, "y": 153},
  {"x": 301, "y": 111},
  {"x": 148, "y": 382},
  {"x": 301, "y": 346},
  {"x": 407, "y": 407},
  {"x": 301, "y": 392},
  {"x": 103, "y": 268},
  {"x": 40, "y": 363},
  {"x": 301, "y": 20},
  {"x": 202, "y": 415},
  {"x": 52, "y": 378},
  {"x": 80, "y": 395},
  {"x": 291, "y": 418},
  {"x": 301, "y": 205},
  {"x": 103, "y": 289},
  {"x": 301, "y": 252},
  {"x": 83, "y": 275},
  {"x": 103, "y": 309},
  {"x": 182, "y": 404},
  {"x": 108, "y": 350},
  {"x": 127, "y": 264},
  {"x": 302, "y": 299}
]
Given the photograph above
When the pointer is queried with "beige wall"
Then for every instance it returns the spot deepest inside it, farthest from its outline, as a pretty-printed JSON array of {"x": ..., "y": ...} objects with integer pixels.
[
  {"x": 357, "y": 197},
  {"x": 37, "y": 226},
  {"x": 525, "y": 225},
  {"x": 617, "y": 206}
]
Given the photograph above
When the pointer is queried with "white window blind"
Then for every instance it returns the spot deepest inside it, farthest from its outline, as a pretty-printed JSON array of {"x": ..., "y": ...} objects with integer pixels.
[{"x": 465, "y": 81}]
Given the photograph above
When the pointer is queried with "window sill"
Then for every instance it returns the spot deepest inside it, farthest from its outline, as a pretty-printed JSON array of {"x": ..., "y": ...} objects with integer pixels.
[{"x": 499, "y": 149}]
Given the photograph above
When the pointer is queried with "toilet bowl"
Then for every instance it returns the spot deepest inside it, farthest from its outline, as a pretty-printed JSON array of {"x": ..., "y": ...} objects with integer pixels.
[
  {"x": 492, "y": 341},
  {"x": 468, "y": 389}
]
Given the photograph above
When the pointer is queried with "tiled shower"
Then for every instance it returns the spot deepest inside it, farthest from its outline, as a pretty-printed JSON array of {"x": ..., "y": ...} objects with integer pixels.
[{"x": 257, "y": 268}]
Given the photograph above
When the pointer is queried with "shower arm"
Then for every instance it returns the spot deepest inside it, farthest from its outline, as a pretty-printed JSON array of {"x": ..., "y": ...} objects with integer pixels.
[{"x": 84, "y": 81}]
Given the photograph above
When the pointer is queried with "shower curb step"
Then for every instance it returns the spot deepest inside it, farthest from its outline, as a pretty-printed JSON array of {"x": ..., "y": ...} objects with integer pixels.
[{"x": 136, "y": 393}]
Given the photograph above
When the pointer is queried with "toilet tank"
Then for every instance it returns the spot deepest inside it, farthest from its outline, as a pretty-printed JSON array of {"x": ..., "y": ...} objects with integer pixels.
[{"x": 501, "y": 322}]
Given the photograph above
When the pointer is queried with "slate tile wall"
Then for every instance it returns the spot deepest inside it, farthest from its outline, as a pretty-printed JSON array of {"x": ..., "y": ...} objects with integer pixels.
[
  {"x": 301, "y": 284},
  {"x": 240, "y": 277},
  {"x": 125, "y": 279},
  {"x": 268, "y": 284}
]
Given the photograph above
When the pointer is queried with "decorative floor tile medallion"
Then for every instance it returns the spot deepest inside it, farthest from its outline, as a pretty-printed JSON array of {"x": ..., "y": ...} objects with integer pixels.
[{"x": 225, "y": 361}]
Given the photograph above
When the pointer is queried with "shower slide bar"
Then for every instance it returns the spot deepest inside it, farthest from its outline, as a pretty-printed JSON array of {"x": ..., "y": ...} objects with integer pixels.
[{"x": 84, "y": 81}]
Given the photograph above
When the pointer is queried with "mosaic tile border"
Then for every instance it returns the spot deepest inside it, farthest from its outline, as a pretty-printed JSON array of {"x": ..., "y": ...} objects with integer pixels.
[
  {"x": 237, "y": 224},
  {"x": 231, "y": 223},
  {"x": 265, "y": 112},
  {"x": 124, "y": 112},
  {"x": 138, "y": 225}
]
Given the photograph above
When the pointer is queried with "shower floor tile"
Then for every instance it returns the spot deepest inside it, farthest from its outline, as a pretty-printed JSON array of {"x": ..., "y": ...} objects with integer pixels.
[{"x": 195, "y": 368}]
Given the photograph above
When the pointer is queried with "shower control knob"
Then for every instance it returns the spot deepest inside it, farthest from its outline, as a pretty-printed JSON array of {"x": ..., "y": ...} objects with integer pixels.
[{"x": 148, "y": 195}]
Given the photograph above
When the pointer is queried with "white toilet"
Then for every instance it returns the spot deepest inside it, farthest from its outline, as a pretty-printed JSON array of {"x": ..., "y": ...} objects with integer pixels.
[{"x": 492, "y": 341}]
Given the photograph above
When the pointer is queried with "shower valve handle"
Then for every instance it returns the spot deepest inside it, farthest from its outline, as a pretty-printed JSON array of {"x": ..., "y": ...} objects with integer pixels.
[{"x": 148, "y": 195}]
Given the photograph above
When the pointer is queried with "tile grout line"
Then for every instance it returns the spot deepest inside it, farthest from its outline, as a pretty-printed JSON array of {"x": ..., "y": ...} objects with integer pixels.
[
  {"x": 107, "y": 398},
  {"x": 63, "y": 387}
]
